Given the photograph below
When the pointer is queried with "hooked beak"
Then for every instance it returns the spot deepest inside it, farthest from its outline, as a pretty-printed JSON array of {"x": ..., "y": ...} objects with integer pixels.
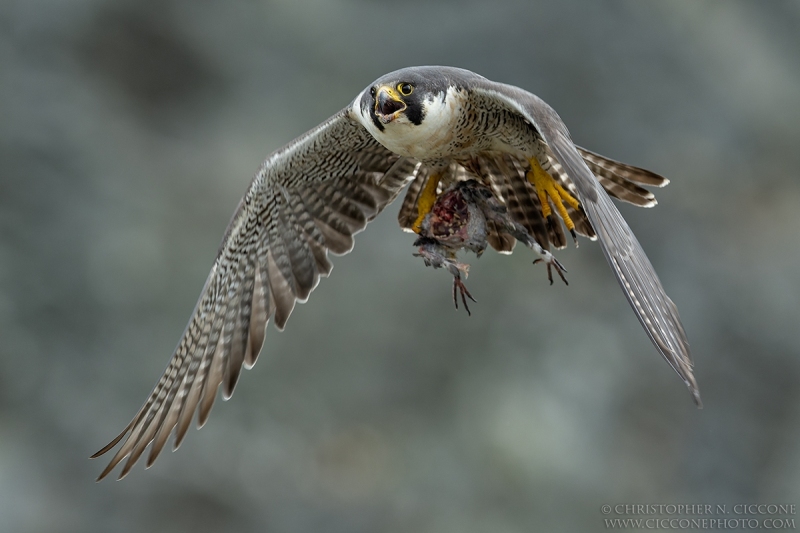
[{"x": 388, "y": 104}]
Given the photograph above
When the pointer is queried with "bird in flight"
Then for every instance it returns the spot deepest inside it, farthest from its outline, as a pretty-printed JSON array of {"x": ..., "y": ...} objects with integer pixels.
[{"x": 483, "y": 163}]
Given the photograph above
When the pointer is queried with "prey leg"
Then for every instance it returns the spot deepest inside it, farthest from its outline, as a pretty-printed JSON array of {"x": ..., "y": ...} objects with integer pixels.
[
  {"x": 553, "y": 263},
  {"x": 544, "y": 257},
  {"x": 436, "y": 256},
  {"x": 519, "y": 232}
]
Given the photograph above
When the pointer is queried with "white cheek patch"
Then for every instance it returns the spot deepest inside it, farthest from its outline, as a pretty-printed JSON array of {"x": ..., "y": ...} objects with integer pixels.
[
  {"x": 431, "y": 138},
  {"x": 439, "y": 124},
  {"x": 440, "y": 112}
]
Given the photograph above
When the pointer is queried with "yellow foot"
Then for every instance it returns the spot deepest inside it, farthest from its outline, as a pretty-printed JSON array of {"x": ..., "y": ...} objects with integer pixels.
[
  {"x": 549, "y": 190},
  {"x": 426, "y": 201}
]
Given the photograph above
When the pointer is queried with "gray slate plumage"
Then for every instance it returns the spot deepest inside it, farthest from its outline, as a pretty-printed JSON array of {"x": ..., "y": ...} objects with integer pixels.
[{"x": 310, "y": 197}]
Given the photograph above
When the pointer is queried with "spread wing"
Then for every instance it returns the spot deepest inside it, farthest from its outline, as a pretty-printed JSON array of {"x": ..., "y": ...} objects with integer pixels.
[
  {"x": 308, "y": 198},
  {"x": 656, "y": 312}
]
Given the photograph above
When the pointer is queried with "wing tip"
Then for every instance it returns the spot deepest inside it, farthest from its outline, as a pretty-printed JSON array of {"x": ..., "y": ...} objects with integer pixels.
[
  {"x": 97, "y": 454},
  {"x": 698, "y": 402},
  {"x": 106, "y": 471}
]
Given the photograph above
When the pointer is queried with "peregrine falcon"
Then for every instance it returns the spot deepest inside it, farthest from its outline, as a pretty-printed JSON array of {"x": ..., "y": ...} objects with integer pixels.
[{"x": 432, "y": 129}]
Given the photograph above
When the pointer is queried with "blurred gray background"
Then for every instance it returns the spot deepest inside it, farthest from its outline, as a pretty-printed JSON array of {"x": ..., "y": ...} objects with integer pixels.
[{"x": 129, "y": 131}]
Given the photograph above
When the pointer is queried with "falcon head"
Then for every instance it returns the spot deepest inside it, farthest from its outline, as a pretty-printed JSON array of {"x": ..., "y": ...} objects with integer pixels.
[
  {"x": 403, "y": 96},
  {"x": 412, "y": 107}
]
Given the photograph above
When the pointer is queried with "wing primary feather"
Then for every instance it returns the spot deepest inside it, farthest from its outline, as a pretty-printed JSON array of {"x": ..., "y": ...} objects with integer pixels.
[
  {"x": 636, "y": 276},
  {"x": 261, "y": 313},
  {"x": 301, "y": 262},
  {"x": 187, "y": 413},
  {"x": 640, "y": 284},
  {"x": 193, "y": 383},
  {"x": 172, "y": 407},
  {"x": 315, "y": 240},
  {"x": 240, "y": 320}
]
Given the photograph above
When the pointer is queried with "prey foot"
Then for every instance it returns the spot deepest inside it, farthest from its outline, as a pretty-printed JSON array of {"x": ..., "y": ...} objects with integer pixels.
[
  {"x": 522, "y": 235},
  {"x": 437, "y": 256},
  {"x": 552, "y": 263},
  {"x": 459, "y": 285}
]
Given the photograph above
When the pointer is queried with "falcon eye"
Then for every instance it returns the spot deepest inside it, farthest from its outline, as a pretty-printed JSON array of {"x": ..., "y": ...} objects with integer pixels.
[
  {"x": 405, "y": 88},
  {"x": 372, "y": 92}
]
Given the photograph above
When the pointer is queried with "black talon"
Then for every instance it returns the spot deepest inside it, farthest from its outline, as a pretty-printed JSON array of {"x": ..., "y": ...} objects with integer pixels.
[
  {"x": 551, "y": 223},
  {"x": 561, "y": 271},
  {"x": 574, "y": 237}
]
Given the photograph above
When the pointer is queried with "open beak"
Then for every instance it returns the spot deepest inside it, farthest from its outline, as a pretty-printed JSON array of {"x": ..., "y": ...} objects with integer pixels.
[{"x": 388, "y": 104}]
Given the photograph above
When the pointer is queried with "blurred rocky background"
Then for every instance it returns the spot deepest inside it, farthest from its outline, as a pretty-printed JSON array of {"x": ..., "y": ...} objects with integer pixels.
[{"x": 129, "y": 131}]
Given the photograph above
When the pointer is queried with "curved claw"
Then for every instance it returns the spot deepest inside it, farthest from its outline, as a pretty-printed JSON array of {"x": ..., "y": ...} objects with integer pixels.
[
  {"x": 552, "y": 224},
  {"x": 458, "y": 284},
  {"x": 551, "y": 262}
]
